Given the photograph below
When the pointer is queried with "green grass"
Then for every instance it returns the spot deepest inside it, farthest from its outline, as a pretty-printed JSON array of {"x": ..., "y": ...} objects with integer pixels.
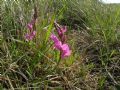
[{"x": 93, "y": 36}]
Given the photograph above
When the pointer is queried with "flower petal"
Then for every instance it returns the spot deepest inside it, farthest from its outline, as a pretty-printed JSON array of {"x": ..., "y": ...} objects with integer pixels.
[
  {"x": 54, "y": 38},
  {"x": 65, "y": 51},
  {"x": 29, "y": 26}
]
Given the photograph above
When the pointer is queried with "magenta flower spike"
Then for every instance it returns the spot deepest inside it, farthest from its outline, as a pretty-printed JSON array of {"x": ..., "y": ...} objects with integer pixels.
[
  {"x": 32, "y": 27},
  {"x": 60, "y": 44},
  {"x": 29, "y": 36},
  {"x": 63, "y": 48}
]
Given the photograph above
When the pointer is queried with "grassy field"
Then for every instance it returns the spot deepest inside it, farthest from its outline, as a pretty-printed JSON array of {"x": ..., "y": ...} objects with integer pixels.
[{"x": 86, "y": 56}]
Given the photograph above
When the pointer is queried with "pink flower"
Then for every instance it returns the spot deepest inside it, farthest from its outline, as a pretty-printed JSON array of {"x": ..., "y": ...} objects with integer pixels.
[
  {"x": 57, "y": 43},
  {"x": 31, "y": 24},
  {"x": 60, "y": 44},
  {"x": 33, "y": 33},
  {"x": 30, "y": 36},
  {"x": 63, "y": 48},
  {"x": 54, "y": 38},
  {"x": 61, "y": 30},
  {"x": 65, "y": 51}
]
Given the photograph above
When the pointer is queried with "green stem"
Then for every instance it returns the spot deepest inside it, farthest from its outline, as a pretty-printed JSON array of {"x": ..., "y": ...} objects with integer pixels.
[{"x": 58, "y": 62}]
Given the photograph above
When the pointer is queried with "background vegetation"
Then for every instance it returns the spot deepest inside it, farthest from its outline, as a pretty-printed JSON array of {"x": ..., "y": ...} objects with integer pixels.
[{"x": 93, "y": 35}]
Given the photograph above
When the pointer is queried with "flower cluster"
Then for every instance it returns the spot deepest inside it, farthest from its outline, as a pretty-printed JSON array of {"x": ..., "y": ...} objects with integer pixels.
[
  {"x": 61, "y": 30},
  {"x": 60, "y": 44},
  {"x": 29, "y": 36}
]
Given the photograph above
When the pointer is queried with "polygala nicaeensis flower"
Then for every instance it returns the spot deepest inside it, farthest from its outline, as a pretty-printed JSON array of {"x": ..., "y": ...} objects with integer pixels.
[
  {"x": 63, "y": 48},
  {"x": 31, "y": 24},
  {"x": 65, "y": 51},
  {"x": 61, "y": 30},
  {"x": 31, "y": 34},
  {"x": 31, "y": 27}
]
